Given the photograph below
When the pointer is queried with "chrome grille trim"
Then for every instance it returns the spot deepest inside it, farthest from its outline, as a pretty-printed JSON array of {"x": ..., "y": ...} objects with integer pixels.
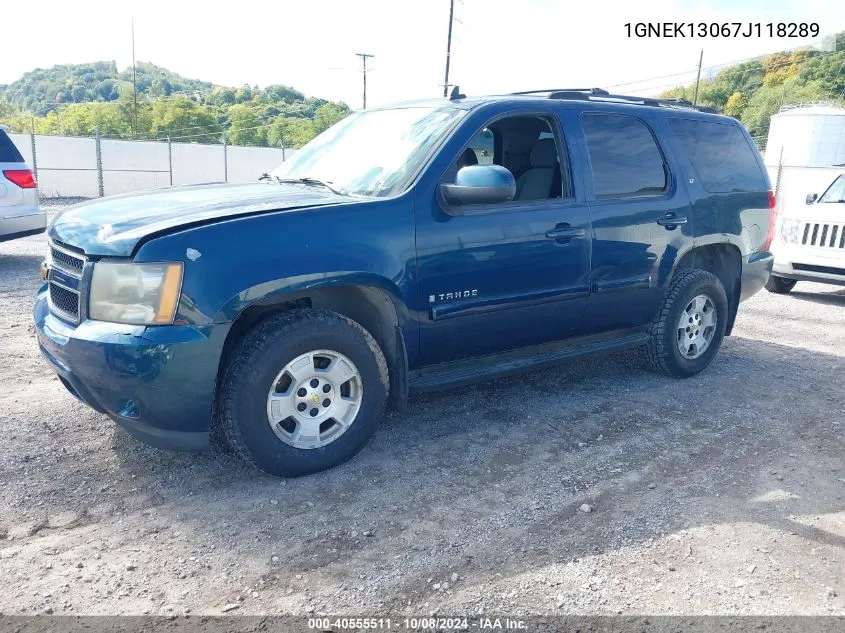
[
  {"x": 72, "y": 265},
  {"x": 66, "y": 260}
]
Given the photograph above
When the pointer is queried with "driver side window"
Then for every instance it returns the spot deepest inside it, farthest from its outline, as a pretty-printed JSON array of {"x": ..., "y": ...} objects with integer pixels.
[
  {"x": 479, "y": 151},
  {"x": 528, "y": 146}
]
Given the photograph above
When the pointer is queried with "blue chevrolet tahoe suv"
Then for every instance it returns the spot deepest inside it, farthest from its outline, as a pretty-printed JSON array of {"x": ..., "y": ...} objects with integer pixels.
[{"x": 412, "y": 247}]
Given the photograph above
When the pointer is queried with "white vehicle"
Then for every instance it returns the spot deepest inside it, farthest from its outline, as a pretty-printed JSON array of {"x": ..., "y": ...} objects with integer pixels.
[
  {"x": 20, "y": 212},
  {"x": 811, "y": 246}
]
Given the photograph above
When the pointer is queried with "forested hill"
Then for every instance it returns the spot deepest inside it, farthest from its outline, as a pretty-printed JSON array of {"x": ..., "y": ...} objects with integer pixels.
[
  {"x": 755, "y": 90},
  {"x": 77, "y": 99},
  {"x": 39, "y": 90}
]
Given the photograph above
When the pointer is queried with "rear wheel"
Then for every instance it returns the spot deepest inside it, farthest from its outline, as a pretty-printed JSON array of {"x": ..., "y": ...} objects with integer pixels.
[
  {"x": 780, "y": 285},
  {"x": 303, "y": 392},
  {"x": 689, "y": 328}
]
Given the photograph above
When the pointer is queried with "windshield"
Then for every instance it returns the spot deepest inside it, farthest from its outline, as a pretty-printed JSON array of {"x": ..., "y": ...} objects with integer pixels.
[
  {"x": 372, "y": 153},
  {"x": 836, "y": 191}
]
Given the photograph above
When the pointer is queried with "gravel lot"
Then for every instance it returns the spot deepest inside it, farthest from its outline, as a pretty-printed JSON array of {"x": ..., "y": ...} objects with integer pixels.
[{"x": 719, "y": 494}]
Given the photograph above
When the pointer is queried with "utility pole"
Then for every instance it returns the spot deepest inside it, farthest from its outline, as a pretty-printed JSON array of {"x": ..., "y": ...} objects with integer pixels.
[
  {"x": 698, "y": 78},
  {"x": 364, "y": 57},
  {"x": 449, "y": 47},
  {"x": 134, "y": 86}
]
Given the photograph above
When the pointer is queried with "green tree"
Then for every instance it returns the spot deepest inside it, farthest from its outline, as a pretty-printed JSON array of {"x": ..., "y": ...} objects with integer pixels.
[
  {"x": 106, "y": 90},
  {"x": 182, "y": 117},
  {"x": 225, "y": 96},
  {"x": 828, "y": 71},
  {"x": 243, "y": 94},
  {"x": 245, "y": 126},
  {"x": 6, "y": 110},
  {"x": 136, "y": 118},
  {"x": 327, "y": 115},
  {"x": 283, "y": 93},
  {"x": 768, "y": 100},
  {"x": 290, "y": 132},
  {"x": 735, "y": 105}
]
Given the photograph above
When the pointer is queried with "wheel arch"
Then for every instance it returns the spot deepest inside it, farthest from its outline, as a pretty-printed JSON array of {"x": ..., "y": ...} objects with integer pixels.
[
  {"x": 723, "y": 260},
  {"x": 372, "y": 302}
]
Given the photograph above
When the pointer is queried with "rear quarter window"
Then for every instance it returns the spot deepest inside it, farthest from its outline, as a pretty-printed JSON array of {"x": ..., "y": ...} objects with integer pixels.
[
  {"x": 624, "y": 157},
  {"x": 721, "y": 156},
  {"x": 8, "y": 152}
]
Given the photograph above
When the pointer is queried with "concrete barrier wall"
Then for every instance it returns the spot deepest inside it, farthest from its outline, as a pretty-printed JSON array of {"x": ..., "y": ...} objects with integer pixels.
[{"x": 67, "y": 166}]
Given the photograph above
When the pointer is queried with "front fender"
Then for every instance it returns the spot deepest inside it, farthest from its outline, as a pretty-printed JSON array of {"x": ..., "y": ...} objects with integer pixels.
[{"x": 291, "y": 288}]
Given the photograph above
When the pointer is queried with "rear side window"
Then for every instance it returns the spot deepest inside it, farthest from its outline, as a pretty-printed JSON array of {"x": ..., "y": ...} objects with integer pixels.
[
  {"x": 720, "y": 154},
  {"x": 624, "y": 156},
  {"x": 8, "y": 152}
]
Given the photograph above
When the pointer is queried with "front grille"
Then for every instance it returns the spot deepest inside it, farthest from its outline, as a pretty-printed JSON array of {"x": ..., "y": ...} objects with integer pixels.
[
  {"x": 66, "y": 260},
  {"x": 63, "y": 301},
  {"x": 824, "y": 235},
  {"x": 65, "y": 281}
]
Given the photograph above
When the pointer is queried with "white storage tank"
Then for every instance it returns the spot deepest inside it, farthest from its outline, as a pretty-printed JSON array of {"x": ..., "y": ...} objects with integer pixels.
[{"x": 805, "y": 151}]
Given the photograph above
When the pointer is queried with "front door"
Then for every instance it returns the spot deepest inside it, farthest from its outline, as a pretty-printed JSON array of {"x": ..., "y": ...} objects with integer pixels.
[{"x": 504, "y": 276}]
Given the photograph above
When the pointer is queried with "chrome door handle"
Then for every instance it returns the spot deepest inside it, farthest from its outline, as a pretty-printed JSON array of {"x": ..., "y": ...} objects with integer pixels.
[
  {"x": 564, "y": 233},
  {"x": 670, "y": 220}
]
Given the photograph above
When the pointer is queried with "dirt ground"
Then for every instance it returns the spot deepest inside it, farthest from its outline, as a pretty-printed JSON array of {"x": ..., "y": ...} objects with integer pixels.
[{"x": 721, "y": 494}]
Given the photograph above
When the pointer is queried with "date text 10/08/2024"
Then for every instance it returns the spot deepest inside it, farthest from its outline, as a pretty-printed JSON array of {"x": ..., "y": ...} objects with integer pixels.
[
  {"x": 431, "y": 623},
  {"x": 721, "y": 29}
]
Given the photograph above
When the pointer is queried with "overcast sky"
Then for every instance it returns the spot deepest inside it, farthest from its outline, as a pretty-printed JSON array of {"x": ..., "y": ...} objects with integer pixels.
[{"x": 498, "y": 45}]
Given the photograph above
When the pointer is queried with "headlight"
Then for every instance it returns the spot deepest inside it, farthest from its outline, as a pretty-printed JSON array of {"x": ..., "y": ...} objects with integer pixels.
[
  {"x": 790, "y": 230},
  {"x": 137, "y": 294}
]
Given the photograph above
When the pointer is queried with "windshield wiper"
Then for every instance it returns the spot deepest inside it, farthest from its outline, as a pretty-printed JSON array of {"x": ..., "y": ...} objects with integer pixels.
[{"x": 310, "y": 181}]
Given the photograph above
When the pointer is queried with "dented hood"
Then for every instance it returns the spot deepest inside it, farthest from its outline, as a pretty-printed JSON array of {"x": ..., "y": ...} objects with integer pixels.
[{"x": 115, "y": 225}]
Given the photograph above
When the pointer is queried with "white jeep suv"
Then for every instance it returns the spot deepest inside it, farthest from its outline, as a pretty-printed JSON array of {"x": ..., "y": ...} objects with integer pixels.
[
  {"x": 20, "y": 212},
  {"x": 811, "y": 247}
]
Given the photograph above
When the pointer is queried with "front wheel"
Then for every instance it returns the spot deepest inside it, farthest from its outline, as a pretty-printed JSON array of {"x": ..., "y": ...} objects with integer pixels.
[
  {"x": 690, "y": 325},
  {"x": 303, "y": 392},
  {"x": 779, "y": 285}
]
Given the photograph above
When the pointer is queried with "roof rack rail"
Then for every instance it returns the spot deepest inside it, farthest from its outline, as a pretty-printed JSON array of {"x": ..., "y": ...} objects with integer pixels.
[
  {"x": 597, "y": 94},
  {"x": 596, "y": 91}
]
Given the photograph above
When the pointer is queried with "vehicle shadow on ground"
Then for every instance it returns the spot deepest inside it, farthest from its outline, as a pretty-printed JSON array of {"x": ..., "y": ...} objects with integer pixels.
[
  {"x": 20, "y": 263},
  {"x": 832, "y": 298},
  {"x": 492, "y": 476},
  {"x": 18, "y": 273}
]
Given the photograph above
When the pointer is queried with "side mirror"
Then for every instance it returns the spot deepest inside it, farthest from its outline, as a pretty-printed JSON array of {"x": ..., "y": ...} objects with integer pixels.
[
  {"x": 480, "y": 184},
  {"x": 811, "y": 198}
]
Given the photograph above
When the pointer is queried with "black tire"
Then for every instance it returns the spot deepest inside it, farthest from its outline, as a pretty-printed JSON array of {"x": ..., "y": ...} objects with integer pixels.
[
  {"x": 251, "y": 371},
  {"x": 661, "y": 351},
  {"x": 780, "y": 285}
]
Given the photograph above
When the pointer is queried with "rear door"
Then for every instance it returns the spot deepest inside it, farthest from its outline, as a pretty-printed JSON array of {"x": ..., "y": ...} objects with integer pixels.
[
  {"x": 728, "y": 184},
  {"x": 639, "y": 212}
]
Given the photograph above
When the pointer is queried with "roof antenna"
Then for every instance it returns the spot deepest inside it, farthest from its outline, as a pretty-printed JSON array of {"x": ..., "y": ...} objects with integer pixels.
[{"x": 456, "y": 94}]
